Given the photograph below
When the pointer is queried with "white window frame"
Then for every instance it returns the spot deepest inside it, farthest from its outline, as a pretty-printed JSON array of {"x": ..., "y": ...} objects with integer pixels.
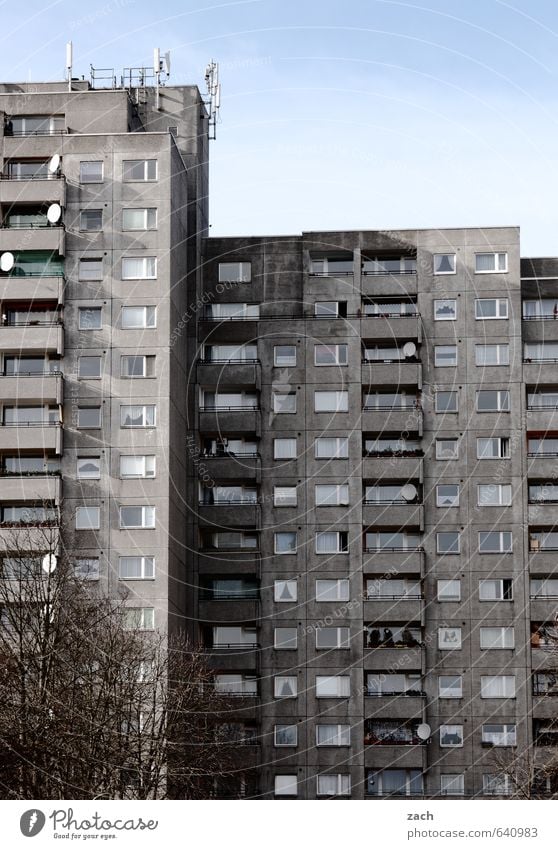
[
  {"x": 276, "y": 742},
  {"x": 243, "y": 267},
  {"x": 285, "y": 496},
  {"x": 146, "y": 215},
  {"x": 291, "y": 439},
  {"x": 149, "y": 270},
  {"x": 145, "y": 178},
  {"x": 80, "y": 460},
  {"x": 503, "y": 491},
  {"x": 501, "y": 456},
  {"x": 508, "y": 686},
  {"x": 445, "y": 364},
  {"x": 508, "y": 729},
  {"x": 439, "y": 497},
  {"x": 343, "y": 638},
  {"x": 93, "y": 524},
  {"x": 279, "y": 586},
  {"x": 146, "y": 616},
  {"x": 452, "y": 784},
  {"x": 445, "y": 412},
  {"x": 341, "y": 400},
  {"x": 289, "y": 361},
  {"x": 341, "y": 444},
  {"x": 338, "y": 550},
  {"x": 92, "y": 309},
  {"x": 442, "y": 583},
  {"x": 339, "y": 587},
  {"x": 507, "y": 634},
  {"x": 90, "y": 427},
  {"x": 147, "y": 461},
  {"x": 497, "y": 255},
  {"x": 443, "y": 691},
  {"x": 445, "y": 552},
  {"x": 341, "y": 735},
  {"x": 285, "y": 785},
  {"x": 502, "y": 354},
  {"x": 147, "y": 567},
  {"x": 452, "y": 646},
  {"x": 340, "y": 494},
  {"x": 91, "y": 162},
  {"x": 147, "y": 518},
  {"x": 438, "y": 302},
  {"x": 446, "y": 729},
  {"x": 502, "y": 549},
  {"x": 145, "y": 325},
  {"x": 96, "y": 376},
  {"x": 280, "y": 398},
  {"x": 87, "y": 262},
  {"x": 501, "y": 395},
  {"x": 291, "y": 551},
  {"x": 451, "y": 256},
  {"x": 278, "y": 683},
  {"x": 279, "y": 643},
  {"x": 333, "y": 686},
  {"x": 501, "y": 311},
  {"x": 340, "y": 352},
  {"x": 500, "y": 596},
  {"x": 439, "y": 448},
  {"x": 342, "y": 781},
  {"x": 144, "y": 415}
]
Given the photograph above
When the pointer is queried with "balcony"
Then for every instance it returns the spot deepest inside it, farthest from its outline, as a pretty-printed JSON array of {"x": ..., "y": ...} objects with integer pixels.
[
  {"x": 402, "y": 757},
  {"x": 402, "y": 658},
  {"x": 539, "y": 371},
  {"x": 391, "y": 327},
  {"x": 535, "y": 328},
  {"x": 397, "y": 373},
  {"x": 542, "y": 465},
  {"x": 386, "y": 608},
  {"x": 31, "y": 437},
  {"x": 399, "y": 513},
  {"x": 386, "y": 284},
  {"x": 387, "y": 561},
  {"x": 394, "y": 419},
  {"x": 231, "y": 610},
  {"x": 229, "y": 514},
  {"x": 542, "y": 512},
  {"x": 229, "y": 372},
  {"x": 32, "y": 337},
  {"x": 233, "y": 657},
  {"x": 36, "y": 488},
  {"x": 33, "y": 239},
  {"x": 29, "y": 537},
  {"x": 32, "y": 288},
  {"x": 237, "y": 562},
  {"x": 45, "y": 387},
  {"x": 544, "y": 609},
  {"x": 32, "y": 191},
  {"x": 541, "y": 415},
  {"x": 392, "y": 466},
  {"x": 230, "y": 466},
  {"x": 394, "y": 705},
  {"x": 229, "y": 419}
]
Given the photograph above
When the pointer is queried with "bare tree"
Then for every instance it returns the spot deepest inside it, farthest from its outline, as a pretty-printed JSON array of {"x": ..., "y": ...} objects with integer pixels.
[{"x": 89, "y": 706}]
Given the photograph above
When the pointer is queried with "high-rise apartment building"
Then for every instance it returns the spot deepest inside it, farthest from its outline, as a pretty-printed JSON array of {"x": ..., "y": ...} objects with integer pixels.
[{"x": 331, "y": 456}]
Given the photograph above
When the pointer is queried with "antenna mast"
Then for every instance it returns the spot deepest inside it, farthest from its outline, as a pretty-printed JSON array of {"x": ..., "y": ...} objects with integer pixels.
[
  {"x": 214, "y": 93},
  {"x": 69, "y": 63}
]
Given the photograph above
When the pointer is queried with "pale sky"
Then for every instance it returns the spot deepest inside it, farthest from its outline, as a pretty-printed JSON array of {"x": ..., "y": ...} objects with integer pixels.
[{"x": 366, "y": 114}]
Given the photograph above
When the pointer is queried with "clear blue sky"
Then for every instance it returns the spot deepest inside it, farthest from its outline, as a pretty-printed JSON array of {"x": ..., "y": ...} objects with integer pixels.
[{"x": 358, "y": 114}]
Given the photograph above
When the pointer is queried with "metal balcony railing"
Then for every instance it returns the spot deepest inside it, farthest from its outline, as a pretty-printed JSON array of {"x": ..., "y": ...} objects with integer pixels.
[
  {"x": 240, "y": 360},
  {"x": 405, "y": 405},
  {"x": 221, "y": 409},
  {"x": 30, "y": 424},
  {"x": 31, "y": 176}
]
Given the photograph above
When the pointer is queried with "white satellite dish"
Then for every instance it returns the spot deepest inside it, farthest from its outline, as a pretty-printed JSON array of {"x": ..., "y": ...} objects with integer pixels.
[
  {"x": 53, "y": 213},
  {"x": 424, "y": 731},
  {"x": 7, "y": 261},
  {"x": 53, "y": 164},
  {"x": 409, "y": 349},
  {"x": 49, "y": 563},
  {"x": 409, "y": 492}
]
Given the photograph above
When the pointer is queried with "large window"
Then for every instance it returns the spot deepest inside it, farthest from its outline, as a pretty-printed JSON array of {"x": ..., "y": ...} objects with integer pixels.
[
  {"x": 285, "y": 542},
  {"x": 137, "y": 517},
  {"x": 449, "y": 589},
  {"x": 333, "y": 638},
  {"x": 497, "y": 638},
  {"x": 284, "y": 356},
  {"x": 489, "y": 263},
  {"x": 90, "y": 269},
  {"x": 284, "y": 402},
  {"x": 89, "y": 417},
  {"x": 91, "y": 219},
  {"x": 285, "y": 735},
  {"x": 90, "y": 367},
  {"x": 134, "y": 567},
  {"x": 331, "y": 402},
  {"x": 284, "y": 448},
  {"x": 139, "y": 618},
  {"x": 139, "y": 219},
  {"x": 333, "y": 686},
  {"x": 447, "y": 542},
  {"x": 494, "y": 494},
  {"x": 447, "y": 449},
  {"x": 88, "y": 468},
  {"x": 138, "y": 318},
  {"x": 331, "y": 447},
  {"x": 445, "y": 310},
  {"x": 499, "y": 734},
  {"x": 139, "y": 268},
  {"x": 496, "y": 785},
  {"x": 331, "y": 355},
  {"x": 446, "y": 401},
  {"x": 284, "y": 496},
  {"x": 137, "y": 466},
  {"x": 336, "y": 784},
  {"x": 134, "y": 415},
  {"x": 285, "y": 638},
  {"x": 332, "y": 589},
  {"x": 137, "y": 366},
  {"x": 393, "y": 684},
  {"x": 493, "y": 401},
  {"x": 447, "y": 495},
  {"x": 490, "y": 308},
  {"x": 444, "y": 264},
  {"x": 495, "y": 542},
  {"x": 496, "y": 589},
  {"x": 235, "y": 272},
  {"x": 492, "y": 355},
  {"x": 493, "y": 448},
  {"x": 451, "y": 736},
  {"x": 332, "y": 542},
  {"x": 91, "y": 172},
  {"x": 445, "y": 355},
  {"x": 450, "y": 687},
  {"x": 331, "y": 495},
  {"x": 497, "y": 686},
  {"x": 285, "y": 687},
  {"x": 333, "y": 735},
  {"x": 139, "y": 170},
  {"x": 88, "y": 518},
  {"x": 394, "y": 782}
]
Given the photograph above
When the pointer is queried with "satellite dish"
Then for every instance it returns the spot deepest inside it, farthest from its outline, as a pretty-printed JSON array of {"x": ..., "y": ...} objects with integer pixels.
[
  {"x": 7, "y": 261},
  {"x": 424, "y": 731},
  {"x": 53, "y": 213},
  {"x": 409, "y": 349},
  {"x": 53, "y": 164},
  {"x": 409, "y": 492},
  {"x": 49, "y": 563}
]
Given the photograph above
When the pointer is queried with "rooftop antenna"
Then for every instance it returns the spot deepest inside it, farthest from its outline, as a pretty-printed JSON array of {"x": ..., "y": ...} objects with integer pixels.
[
  {"x": 214, "y": 93},
  {"x": 160, "y": 66},
  {"x": 69, "y": 63}
]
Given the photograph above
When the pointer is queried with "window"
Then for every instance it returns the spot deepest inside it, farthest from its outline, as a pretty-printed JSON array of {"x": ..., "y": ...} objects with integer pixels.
[
  {"x": 497, "y": 638},
  {"x": 452, "y": 784},
  {"x": 89, "y": 367},
  {"x": 132, "y": 568},
  {"x": 90, "y": 318},
  {"x": 496, "y": 589},
  {"x": 449, "y": 639},
  {"x": 286, "y": 785},
  {"x": 494, "y": 495},
  {"x": 284, "y": 355},
  {"x": 393, "y": 684},
  {"x": 492, "y": 355},
  {"x": 91, "y": 219},
  {"x": 488, "y": 308},
  {"x": 333, "y": 735},
  {"x": 450, "y": 687},
  {"x": 139, "y": 219},
  {"x": 285, "y": 590},
  {"x": 447, "y": 449},
  {"x": 331, "y": 402},
  {"x": 285, "y": 735},
  {"x": 332, "y": 589},
  {"x": 336, "y": 784},
  {"x": 495, "y": 542},
  {"x": 285, "y": 686},
  {"x": 331, "y": 447},
  {"x": 499, "y": 734},
  {"x": 91, "y": 172},
  {"x": 493, "y": 401},
  {"x": 284, "y": 402},
  {"x": 332, "y": 542},
  {"x": 235, "y": 272},
  {"x": 544, "y": 588},
  {"x": 331, "y": 355},
  {"x": 451, "y": 736},
  {"x": 89, "y": 417},
  {"x": 89, "y": 467},
  {"x": 240, "y": 685},
  {"x": 138, "y": 415},
  {"x": 447, "y": 542},
  {"x": 447, "y": 495},
  {"x": 446, "y": 401},
  {"x": 139, "y": 618},
  {"x": 285, "y": 638},
  {"x": 449, "y": 590},
  {"x": 137, "y": 466},
  {"x": 445, "y": 355},
  {"x": 284, "y": 449},
  {"x": 139, "y": 170},
  {"x": 488, "y": 263},
  {"x": 88, "y": 518},
  {"x": 285, "y": 542},
  {"x": 496, "y": 785},
  {"x": 493, "y": 448},
  {"x": 284, "y": 496},
  {"x": 394, "y": 782},
  {"x": 138, "y": 318},
  {"x": 87, "y": 568},
  {"x": 137, "y": 517},
  {"x": 497, "y": 686},
  {"x": 445, "y": 310},
  {"x": 333, "y": 686},
  {"x": 137, "y": 366},
  {"x": 90, "y": 269},
  {"x": 332, "y": 638},
  {"x": 139, "y": 268},
  {"x": 331, "y": 495},
  {"x": 444, "y": 264},
  {"x": 330, "y": 309}
]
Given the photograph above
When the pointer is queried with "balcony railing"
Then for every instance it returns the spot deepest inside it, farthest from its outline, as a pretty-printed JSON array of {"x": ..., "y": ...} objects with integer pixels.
[
  {"x": 247, "y": 595},
  {"x": 371, "y": 361},
  {"x": 31, "y": 176},
  {"x": 407, "y": 694},
  {"x": 233, "y": 646},
  {"x": 384, "y": 272},
  {"x": 414, "y": 314},
  {"x": 384, "y": 501},
  {"x": 51, "y": 322},
  {"x": 411, "y": 549},
  {"x": 542, "y": 453},
  {"x": 207, "y": 455},
  {"x": 21, "y": 133},
  {"x": 43, "y": 373},
  {"x": 30, "y": 424},
  {"x": 542, "y": 407},
  {"x": 32, "y": 225},
  {"x": 412, "y": 452},
  {"x": 540, "y": 359},
  {"x": 43, "y": 473},
  {"x": 221, "y": 409},
  {"x": 46, "y": 272},
  {"x": 405, "y": 405},
  {"x": 543, "y": 317},
  {"x": 230, "y": 502},
  {"x": 210, "y": 360},
  {"x": 396, "y": 597}
]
